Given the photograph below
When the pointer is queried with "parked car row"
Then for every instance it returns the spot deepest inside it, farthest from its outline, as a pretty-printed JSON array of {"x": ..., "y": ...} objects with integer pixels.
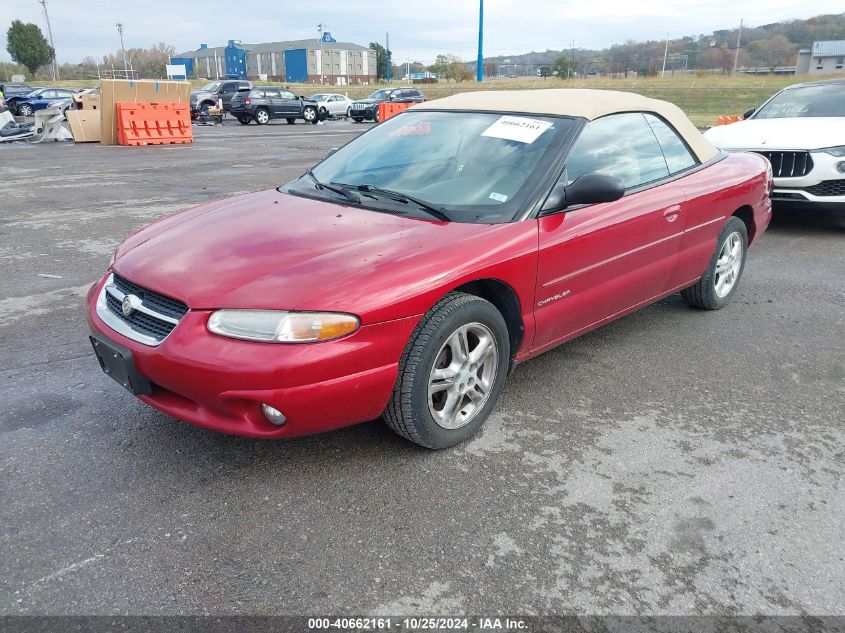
[{"x": 23, "y": 100}]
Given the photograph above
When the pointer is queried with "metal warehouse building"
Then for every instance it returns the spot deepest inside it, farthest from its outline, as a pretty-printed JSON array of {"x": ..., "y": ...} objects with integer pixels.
[{"x": 296, "y": 61}]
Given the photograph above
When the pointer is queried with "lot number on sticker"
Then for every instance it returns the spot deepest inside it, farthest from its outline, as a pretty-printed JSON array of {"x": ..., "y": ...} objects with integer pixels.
[{"x": 517, "y": 128}]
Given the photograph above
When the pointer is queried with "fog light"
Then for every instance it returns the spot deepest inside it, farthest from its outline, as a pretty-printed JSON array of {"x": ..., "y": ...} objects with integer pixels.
[
  {"x": 273, "y": 415},
  {"x": 841, "y": 167}
]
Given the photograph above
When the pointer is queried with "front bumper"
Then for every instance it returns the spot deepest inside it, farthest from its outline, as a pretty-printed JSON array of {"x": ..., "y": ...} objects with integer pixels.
[
  {"x": 220, "y": 383},
  {"x": 366, "y": 113},
  {"x": 814, "y": 189}
]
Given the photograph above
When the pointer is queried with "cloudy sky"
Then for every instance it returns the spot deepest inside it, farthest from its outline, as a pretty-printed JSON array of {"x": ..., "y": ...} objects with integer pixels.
[{"x": 419, "y": 29}]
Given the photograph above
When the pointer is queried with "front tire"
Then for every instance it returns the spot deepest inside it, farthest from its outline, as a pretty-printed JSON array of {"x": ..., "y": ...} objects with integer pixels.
[
  {"x": 717, "y": 286},
  {"x": 25, "y": 109},
  {"x": 451, "y": 372},
  {"x": 262, "y": 116},
  {"x": 310, "y": 115}
]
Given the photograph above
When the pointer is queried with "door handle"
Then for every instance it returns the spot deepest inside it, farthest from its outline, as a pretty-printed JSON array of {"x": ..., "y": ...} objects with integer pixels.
[{"x": 671, "y": 214}]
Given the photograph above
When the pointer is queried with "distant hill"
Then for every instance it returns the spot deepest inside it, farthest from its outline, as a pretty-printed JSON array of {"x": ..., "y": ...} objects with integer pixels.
[{"x": 763, "y": 46}]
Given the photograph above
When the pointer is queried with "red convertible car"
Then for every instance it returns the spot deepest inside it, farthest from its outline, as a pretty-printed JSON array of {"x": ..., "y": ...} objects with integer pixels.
[{"x": 407, "y": 274}]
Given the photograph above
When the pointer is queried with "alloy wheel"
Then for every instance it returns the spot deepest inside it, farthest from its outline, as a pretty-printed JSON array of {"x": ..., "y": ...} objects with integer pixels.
[
  {"x": 728, "y": 265},
  {"x": 463, "y": 375}
]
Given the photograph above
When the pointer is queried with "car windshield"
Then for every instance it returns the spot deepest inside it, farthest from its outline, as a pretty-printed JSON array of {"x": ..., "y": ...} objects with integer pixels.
[
  {"x": 35, "y": 93},
  {"x": 478, "y": 166},
  {"x": 212, "y": 86},
  {"x": 821, "y": 100},
  {"x": 319, "y": 97},
  {"x": 380, "y": 94}
]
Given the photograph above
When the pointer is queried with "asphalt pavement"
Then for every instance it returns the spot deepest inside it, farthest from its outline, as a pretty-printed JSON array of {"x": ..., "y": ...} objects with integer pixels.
[{"x": 673, "y": 462}]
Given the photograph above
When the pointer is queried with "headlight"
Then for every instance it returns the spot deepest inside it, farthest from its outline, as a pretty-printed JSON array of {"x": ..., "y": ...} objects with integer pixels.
[
  {"x": 834, "y": 151},
  {"x": 278, "y": 326}
]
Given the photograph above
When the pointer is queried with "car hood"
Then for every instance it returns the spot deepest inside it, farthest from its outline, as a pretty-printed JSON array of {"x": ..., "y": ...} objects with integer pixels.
[
  {"x": 786, "y": 133},
  {"x": 202, "y": 93},
  {"x": 270, "y": 250}
]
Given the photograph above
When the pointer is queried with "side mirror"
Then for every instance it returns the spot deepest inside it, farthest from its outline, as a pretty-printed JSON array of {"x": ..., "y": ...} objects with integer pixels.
[
  {"x": 331, "y": 151},
  {"x": 590, "y": 188},
  {"x": 748, "y": 113}
]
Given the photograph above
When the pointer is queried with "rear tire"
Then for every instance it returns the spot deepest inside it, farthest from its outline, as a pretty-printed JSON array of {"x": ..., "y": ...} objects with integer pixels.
[
  {"x": 262, "y": 116},
  {"x": 451, "y": 372},
  {"x": 25, "y": 110},
  {"x": 356, "y": 120},
  {"x": 244, "y": 119},
  {"x": 717, "y": 286}
]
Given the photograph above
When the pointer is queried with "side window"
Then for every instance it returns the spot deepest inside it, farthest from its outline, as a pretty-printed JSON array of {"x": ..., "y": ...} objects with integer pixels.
[
  {"x": 272, "y": 93},
  {"x": 258, "y": 94},
  {"x": 678, "y": 156},
  {"x": 48, "y": 94},
  {"x": 620, "y": 145},
  {"x": 244, "y": 84},
  {"x": 287, "y": 94},
  {"x": 230, "y": 87}
]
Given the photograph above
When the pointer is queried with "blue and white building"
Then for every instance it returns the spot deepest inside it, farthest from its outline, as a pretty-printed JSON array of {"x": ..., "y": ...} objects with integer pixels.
[{"x": 295, "y": 61}]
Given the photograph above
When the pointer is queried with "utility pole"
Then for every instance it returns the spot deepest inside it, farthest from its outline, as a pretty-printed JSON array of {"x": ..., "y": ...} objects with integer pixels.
[
  {"x": 55, "y": 65},
  {"x": 572, "y": 61},
  {"x": 387, "y": 54},
  {"x": 479, "y": 69},
  {"x": 738, "y": 42},
  {"x": 122, "y": 48},
  {"x": 665, "y": 55},
  {"x": 320, "y": 28}
]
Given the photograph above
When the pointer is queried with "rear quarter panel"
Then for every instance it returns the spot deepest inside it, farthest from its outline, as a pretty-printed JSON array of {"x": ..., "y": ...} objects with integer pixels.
[{"x": 714, "y": 194}]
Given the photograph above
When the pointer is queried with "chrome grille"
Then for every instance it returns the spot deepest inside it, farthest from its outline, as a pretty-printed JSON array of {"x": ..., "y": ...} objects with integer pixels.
[
  {"x": 151, "y": 316},
  {"x": 789, "y": 164},
  {"x": 828, "y": 188}
]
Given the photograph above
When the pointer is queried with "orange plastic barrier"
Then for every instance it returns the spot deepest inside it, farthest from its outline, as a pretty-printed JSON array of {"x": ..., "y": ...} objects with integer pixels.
[
  {"x": 727, "y": 119},
  {"x": 153, "y": 123},
  {"x": 388, "y": 109}
]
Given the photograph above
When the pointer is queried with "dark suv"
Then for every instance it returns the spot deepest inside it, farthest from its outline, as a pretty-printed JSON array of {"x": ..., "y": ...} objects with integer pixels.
[
  {"x": 207, "y": 96},
  {"x": 368, "y": 108},
  {"x": 269, "y": 102}
]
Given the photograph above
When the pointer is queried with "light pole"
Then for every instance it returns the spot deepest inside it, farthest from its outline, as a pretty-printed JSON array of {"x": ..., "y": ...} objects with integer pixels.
[
  {"x": 55, "y": 65},
  {"x": 320, "y": 28},
  {"x": 665, "y": 55},
  {"x": 122, "y": 48},
  {"x": 479, "y": 69},
  {"x": 738, "y": 42}
]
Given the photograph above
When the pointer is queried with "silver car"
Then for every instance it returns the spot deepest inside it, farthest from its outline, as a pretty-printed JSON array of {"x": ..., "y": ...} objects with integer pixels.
[{"x": 332, "y": 104}]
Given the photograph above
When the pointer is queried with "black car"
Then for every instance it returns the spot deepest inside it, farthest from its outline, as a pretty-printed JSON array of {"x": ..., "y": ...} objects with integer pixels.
[
  {"x": 14, "y": 89},
  {"x": 207, "y": 96},
  {"x": 368, "y": 108},
  {"x": 268, "y": 102}
]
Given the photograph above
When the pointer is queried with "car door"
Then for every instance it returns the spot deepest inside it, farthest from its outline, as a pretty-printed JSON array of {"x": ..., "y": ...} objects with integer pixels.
[
  {"x": 44, "y": 99},
  {"x": 289, "y": 104},
  {"x": 597, "y": 261},
  {"x": 274, "y": 101},
  {"x": 698, "y": 221},
  {"x": 336, "y": 105},
  {"x": 226, "y": 92}
]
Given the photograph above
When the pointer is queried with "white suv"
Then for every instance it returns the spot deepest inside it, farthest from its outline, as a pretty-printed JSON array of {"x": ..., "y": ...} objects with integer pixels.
[{"x": 801, "y": 130}]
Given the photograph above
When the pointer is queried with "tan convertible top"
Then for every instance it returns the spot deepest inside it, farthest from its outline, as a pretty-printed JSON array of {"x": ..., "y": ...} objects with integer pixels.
[{"x": 574, "y": 102}]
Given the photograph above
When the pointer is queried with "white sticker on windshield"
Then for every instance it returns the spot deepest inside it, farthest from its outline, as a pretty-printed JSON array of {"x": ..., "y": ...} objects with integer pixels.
[
  {"x": 498, "y": 197},
  {"x": 517, "y": 128}
]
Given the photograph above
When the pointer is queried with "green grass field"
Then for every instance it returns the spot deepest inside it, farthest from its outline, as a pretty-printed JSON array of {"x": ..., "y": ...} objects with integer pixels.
[{"x": 703, "y": 98}]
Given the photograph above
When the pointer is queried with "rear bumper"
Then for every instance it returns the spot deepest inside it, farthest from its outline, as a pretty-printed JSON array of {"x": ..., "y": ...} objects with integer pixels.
[{"x": 220, "y": 384}]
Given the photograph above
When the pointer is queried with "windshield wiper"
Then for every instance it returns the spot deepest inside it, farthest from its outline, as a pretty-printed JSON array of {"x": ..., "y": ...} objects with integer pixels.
[
  {"x": 437, "y": 212},
  {"x": 333, "y": 188}
]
